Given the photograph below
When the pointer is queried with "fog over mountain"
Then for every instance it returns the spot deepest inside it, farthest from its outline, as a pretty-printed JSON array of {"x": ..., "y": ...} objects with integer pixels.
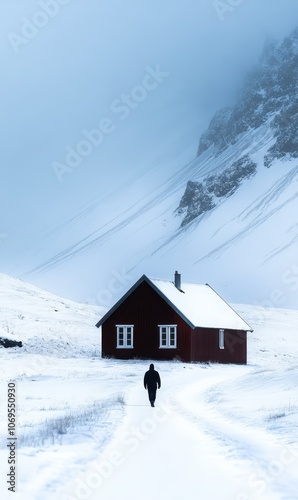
[{"x": 141, "y": 138}]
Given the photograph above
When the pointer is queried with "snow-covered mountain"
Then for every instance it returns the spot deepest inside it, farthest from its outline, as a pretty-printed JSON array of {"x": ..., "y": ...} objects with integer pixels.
[
  {"x": 228, "y": 217},
  {"x": 269, "y": 96}
]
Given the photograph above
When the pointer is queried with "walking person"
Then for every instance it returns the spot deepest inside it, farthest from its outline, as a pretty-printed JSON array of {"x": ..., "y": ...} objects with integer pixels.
[{"x": 151, "y": 383}]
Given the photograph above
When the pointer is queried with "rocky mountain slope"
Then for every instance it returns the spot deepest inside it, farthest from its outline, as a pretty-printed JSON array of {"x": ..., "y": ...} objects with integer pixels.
[
  {"x": 268, "y": 96},
  {"x": 199, "y": 197}
]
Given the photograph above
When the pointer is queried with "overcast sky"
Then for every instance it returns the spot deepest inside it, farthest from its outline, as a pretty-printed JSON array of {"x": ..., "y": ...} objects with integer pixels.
[{"x": 148, "y": 75}]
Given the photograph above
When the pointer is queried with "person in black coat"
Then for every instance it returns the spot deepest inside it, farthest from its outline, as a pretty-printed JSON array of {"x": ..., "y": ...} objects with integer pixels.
[{"x": 152, "y": 382}]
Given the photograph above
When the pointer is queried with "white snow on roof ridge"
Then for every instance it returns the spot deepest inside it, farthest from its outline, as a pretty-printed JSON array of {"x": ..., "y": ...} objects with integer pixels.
[
  {"x": 172, "y": 282},
  {"x": 201, "y": 305}
]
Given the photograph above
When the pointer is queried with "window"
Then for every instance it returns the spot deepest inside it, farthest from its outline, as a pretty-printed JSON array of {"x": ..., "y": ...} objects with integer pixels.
[
  {"x": 221, "y": 339},
  {"x": 168, "y": 336},
  {"x": 124, "y": 336}
]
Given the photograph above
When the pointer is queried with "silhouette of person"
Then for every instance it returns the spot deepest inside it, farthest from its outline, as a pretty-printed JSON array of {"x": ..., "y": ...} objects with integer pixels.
[{"x": 151, "y": 383}]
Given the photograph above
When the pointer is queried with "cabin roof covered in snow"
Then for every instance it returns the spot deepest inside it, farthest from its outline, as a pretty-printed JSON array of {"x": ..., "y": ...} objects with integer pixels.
[
  {"x": 198, "y": 305},
  {"x": 201, "y": 305}
]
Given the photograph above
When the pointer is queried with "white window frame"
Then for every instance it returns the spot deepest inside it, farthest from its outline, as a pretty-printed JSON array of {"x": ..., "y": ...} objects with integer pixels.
[
  {"x": 221, "y": 338},
  {"x": 168, "y": 334},
  {"x": 126, "y": 344}
]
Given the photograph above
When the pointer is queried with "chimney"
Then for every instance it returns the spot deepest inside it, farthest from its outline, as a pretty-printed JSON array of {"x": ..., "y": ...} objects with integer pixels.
[{"x": 177, "y": 280}]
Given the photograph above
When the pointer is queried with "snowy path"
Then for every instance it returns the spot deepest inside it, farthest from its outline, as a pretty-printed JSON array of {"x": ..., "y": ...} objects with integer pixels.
[
  {"x": 186, "y": 448},
  {"x": 165, "y": 456}
]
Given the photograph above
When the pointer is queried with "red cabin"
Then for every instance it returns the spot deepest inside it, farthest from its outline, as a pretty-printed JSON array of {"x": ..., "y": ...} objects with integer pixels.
[{"x": 163, "y": 320}]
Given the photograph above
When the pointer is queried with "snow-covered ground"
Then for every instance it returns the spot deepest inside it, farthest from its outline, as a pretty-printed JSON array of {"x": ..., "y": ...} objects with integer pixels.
[{"x": 85, "y": 428}]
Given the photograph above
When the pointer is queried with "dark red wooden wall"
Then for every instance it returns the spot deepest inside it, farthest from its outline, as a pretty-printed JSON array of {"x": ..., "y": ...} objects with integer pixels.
[
  {"x": 145, "y": 309},
  {"x": 205, "y": 346}
]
